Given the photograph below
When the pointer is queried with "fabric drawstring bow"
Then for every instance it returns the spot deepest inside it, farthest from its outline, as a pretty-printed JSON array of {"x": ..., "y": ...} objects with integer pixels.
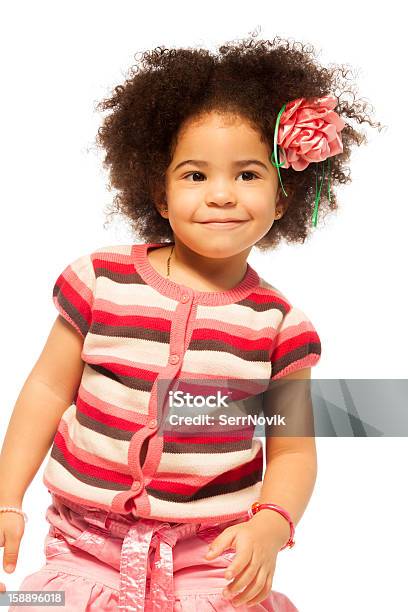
[{"x": 308, "y": 131}]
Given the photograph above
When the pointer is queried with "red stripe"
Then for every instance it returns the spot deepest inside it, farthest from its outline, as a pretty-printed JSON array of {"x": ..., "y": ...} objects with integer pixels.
[
  {"x": 235, "y": 341},
  {"x": 154, "y": 323},
  {"x": 115, "y": 266},
  {"x": 242, "y": 470},
  {"x": 211, "y": 439},
  {"x": 291, "y": 344},
  {"x": 125, "y": 370},
  {"x": 260, "y": 298},
  {"x": 106, "y": 419},
  {"x": 87, "y": 469},
  {"x": 232, "y": 476},
  {"x": 74, "y": 298}
]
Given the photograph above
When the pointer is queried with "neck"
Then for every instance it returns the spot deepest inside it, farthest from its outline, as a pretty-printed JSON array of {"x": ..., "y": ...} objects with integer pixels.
[{"x": 218, "y": 273}]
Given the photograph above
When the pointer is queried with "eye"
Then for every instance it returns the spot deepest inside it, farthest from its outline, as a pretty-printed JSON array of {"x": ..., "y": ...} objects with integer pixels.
[
  {"x": 201, "y": 174},
  {"x": 193, "y": 173},
  {"x": 249, "y": 172}
]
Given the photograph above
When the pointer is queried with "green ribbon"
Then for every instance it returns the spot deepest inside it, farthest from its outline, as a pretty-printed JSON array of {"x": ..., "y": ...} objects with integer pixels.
[
  {"x": 275, "y": 161},
  {"x": 317, "y": 198},
  {"x": 274, "y": 156}
]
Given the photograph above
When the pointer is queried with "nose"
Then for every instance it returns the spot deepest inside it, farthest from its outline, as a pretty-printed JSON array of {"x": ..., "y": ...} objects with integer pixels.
[
  {"x": 220, "y": 195},
  {"x": 220, "y": 192}
]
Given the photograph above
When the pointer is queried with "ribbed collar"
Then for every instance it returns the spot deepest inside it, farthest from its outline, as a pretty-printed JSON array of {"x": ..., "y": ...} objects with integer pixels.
[{"x": 174, "y": 290}]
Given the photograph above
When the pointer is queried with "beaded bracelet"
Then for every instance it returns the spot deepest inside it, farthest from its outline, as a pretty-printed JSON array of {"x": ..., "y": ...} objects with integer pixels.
[
  {"x": 256, "y": 507},
  {"x": 13, "y": 509}
]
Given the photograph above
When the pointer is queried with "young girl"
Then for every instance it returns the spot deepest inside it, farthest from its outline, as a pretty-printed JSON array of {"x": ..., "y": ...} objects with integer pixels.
[{"x": 211, "y": 155}]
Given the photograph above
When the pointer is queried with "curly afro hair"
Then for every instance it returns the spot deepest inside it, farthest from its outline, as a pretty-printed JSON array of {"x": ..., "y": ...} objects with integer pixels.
[{"x": 248, "y": 78}]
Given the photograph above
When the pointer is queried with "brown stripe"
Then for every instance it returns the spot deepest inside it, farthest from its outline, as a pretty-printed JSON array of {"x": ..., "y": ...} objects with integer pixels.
[
  {"x": 224, "y": 347},
  {"x": 261, "y": 307},
  {"x": 130, "y": 331},
  {"x": 89, "y": 480},
  {"x": 222, "y": 447},
  {"x": 295, "y": 355},
  {"x": 128, "y": 381},
  {"x": 72, "y": 312},
  {"x": 209, "y": 490},
  {"x": 106, "y": 430},
  {"x": 126, "y": 278}
]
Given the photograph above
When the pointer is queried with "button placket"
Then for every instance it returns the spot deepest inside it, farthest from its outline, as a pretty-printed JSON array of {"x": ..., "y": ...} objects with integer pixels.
[
  {"x": 174, "y": 358},
  {"x": 136, "y": 485}
]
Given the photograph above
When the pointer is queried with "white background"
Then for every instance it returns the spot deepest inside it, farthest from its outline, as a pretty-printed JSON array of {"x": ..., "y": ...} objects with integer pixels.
[{"x": 58, "y": 60}]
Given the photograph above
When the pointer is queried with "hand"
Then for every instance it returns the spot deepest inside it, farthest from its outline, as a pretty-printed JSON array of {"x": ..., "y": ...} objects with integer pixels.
[
  {"x": 11, "y": 532},
  {"x": 254, "y": 564}
]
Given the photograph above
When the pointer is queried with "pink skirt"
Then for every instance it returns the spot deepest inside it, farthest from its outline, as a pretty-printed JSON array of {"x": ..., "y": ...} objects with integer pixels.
[{"x": 106, "y": 561}]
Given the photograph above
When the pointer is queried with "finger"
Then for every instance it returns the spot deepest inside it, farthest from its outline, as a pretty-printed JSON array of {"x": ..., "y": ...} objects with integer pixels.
[
  {"x": 2, "y": 587},
  {"x": 242, "y": 557},
  {"x": 252, "y": 590},
  {"x": 221, "y": 542},
  {"x": 10, "y": 555},
  {"x": 242, "y": 579},
  {"x": 264, "y": 593}
]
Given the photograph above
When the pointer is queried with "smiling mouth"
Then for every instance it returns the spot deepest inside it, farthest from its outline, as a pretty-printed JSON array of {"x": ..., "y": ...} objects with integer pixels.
[{"x": 222, "y": 224}]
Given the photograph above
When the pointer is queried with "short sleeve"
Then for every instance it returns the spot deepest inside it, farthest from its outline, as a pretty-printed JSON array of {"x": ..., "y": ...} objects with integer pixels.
[
  {"x": 73, "y": 293},
  {"x": 296, "y": 346}
]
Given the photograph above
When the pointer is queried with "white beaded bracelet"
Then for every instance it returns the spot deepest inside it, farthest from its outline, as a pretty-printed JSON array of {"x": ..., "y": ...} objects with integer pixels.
[{"x": 13, "y": 509}]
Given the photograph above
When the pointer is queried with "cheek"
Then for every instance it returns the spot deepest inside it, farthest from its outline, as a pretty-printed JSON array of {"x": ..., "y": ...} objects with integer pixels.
[
  {"x": 183, "y": 206},
  {"x": 263, "y": 212}
]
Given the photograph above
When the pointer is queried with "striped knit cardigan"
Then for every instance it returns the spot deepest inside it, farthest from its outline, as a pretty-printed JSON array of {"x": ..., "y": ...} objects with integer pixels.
[{"x": 141, "y": 329}]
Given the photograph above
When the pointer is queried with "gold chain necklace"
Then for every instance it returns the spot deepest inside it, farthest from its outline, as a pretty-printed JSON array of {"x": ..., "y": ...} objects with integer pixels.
[{"x": 168, "y": 261}]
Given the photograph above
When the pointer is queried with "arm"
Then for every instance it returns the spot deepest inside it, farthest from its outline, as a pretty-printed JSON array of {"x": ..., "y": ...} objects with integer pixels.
[
  {"x": 47, "y": 392},
  {"x": 291, "y": 468}
]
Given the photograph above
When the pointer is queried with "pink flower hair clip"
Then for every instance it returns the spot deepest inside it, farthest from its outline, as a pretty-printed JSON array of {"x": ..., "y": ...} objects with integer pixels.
[{"x": 308, "y": 131}]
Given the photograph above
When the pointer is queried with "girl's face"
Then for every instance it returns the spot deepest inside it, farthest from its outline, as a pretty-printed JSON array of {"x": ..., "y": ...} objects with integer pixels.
[{"x": 220, "y": 169}]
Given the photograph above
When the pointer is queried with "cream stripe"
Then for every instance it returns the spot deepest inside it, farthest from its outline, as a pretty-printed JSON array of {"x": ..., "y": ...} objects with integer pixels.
[
  {"x": 61, "y": 478},
  {"x": 123, "y": 249},
  {"x": 206, "y": 464},
  {"x": 94, "y": 442},
  {"x": 237, "y": 501},
  {"x": 294, "y": 317},
  {"x": 82, "y": 267},
  {"x": 140, "y": 295},
  {"x": 220, "y": 364},
  {"x": 119, "y": 395},
  {"x": 138, "y": 351},
  {"x": 245, "y": 316}
]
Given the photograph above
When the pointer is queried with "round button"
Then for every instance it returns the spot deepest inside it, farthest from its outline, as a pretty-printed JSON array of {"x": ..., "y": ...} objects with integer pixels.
[
  {"x": 152, "y": 423},
  {"x": 174, "y": 359},
  {"x": 136, "y": 485},
  {"x": 185, "y": 298}
]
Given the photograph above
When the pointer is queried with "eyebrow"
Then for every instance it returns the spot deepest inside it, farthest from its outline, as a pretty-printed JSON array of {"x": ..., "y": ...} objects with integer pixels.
[{"x": 239, "y": 163}]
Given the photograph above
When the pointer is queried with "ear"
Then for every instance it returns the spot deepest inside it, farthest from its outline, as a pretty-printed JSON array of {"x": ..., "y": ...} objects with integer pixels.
[
  {"x": 162, "y": 209},
  {"x": 159, "y": 200},
  {"x": 282, "y": 201}
]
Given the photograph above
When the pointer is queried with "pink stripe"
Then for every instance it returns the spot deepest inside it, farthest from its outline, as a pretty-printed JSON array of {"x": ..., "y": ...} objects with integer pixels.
[
  {"x": 88, "y": 469},
  {"x": 107, "y": 419},
  {"x": 148, "y": 322},
  {"x": 87, "y": 457},
  {"x": 235, "y": 341},
  {"x": 237, "y": 330},
  {"x": 293, "y": 342},
  {"x": 122, "y": 367},
  {"x": 110, "y": 409},
  {"x": 306, "y": 362},
  {"x": 122, "y": 310},
  {"x": 76, "y": 293},
  {"x": 233, "y": 475}
]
